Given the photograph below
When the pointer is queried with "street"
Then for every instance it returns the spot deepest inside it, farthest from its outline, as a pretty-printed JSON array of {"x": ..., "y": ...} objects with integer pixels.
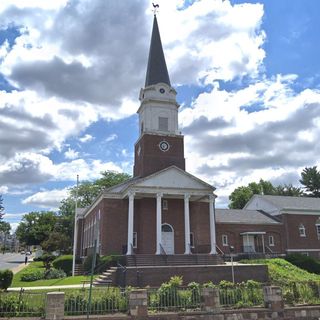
[{"x": 11, "y": 260}]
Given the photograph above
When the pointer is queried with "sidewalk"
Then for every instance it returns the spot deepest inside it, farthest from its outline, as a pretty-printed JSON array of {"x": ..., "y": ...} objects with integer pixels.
[
  {"x": 71, "y": 286},
  {"x": 19, "y": 268}
]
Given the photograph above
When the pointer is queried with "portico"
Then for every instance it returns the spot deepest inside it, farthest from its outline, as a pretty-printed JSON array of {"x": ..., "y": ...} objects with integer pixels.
[{"x": 175, "y": 184}]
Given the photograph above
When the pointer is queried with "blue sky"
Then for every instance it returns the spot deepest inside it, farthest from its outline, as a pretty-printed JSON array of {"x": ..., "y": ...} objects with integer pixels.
[{"x": 247, "y": 75}]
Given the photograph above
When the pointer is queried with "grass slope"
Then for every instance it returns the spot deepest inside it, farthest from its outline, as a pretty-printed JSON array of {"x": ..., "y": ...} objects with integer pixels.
[
  {"x": 281, "y": 271},
  {"x": 16, "y": 282}
]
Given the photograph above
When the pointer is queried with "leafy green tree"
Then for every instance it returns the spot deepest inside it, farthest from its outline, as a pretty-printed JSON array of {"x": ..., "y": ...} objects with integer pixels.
[
  {"x": 310, "y": 179},
  {"x": 241, "y": 195},
  {"x": 1, "y": 208},
  {"x": 289, "y": 190},
  {"x": 35, "y": 227},
  {"x": 87, "y": 193},
  {"x": 56, "y": 242}
]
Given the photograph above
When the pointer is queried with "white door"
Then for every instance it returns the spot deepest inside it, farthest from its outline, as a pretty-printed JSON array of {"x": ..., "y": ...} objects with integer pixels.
[
  {"x": 167, "y": 238},
  {"x": 248, "y": 243}
]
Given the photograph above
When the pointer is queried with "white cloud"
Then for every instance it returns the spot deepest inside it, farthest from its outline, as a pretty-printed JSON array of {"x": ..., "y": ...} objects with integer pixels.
[
  {"x": 86, "y": 138},
  {"x": 231, "y": 144},
  {"x": 3, "y": 189},
  {"x": 49, "y": 199},
  {"x": 71, "y": 154},
  {"x": 112, "y": 137}
]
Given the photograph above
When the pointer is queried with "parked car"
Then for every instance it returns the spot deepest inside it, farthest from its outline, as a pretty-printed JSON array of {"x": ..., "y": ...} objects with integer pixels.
[{"x": 22, "y": 252}]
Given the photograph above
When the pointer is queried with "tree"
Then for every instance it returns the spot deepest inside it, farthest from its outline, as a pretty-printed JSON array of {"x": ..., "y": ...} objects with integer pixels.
[
  {"x": 289, "y": 190},
  {"x": 35, "y": 227},
  {"x": 87, "y": 192},
  {"x": 56, "y": 242},
  {"x": 310, "y": 179},
  {"x": 241, "y": 195},
  {"x": 1, "y": 208}
]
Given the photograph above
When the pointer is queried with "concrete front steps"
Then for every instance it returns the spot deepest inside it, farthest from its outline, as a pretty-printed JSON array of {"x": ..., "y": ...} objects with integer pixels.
[
  {"x": 173, "y": 260},
  {"x": 107, "y": 278}
]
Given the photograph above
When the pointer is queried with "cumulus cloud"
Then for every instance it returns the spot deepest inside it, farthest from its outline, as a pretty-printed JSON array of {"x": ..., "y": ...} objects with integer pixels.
[
  {"x": 49, "y": 199},
  {"x": 71, "y": 154},
  {"x": 34, "y": 168},
  {"x": 233, "y": 144},
  {"x": 3, "y": 189}
]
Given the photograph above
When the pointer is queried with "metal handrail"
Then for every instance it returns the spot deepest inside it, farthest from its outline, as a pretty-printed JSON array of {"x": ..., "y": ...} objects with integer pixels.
[
  {"x": 132, "y": 249},
  {"x": 162, "y": 251}
]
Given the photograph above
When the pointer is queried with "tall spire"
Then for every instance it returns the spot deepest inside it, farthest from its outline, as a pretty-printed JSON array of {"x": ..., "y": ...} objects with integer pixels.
[{"x": 157, "y": 69}]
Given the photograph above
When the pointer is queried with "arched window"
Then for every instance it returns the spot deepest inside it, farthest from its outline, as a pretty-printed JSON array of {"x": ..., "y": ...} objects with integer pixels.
[
  {"x": 302, "y": 230},
  {"x": 166, "y": 228}
]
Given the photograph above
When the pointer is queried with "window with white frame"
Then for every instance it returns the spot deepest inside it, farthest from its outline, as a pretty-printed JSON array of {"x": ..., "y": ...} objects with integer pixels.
[
  {"x": 191, "y": 240},
  {"x": 318, "y": 230},
  {"x": 135, "y": 240},
  {"x": 165, "y": 204},
  {"x": 224, "y": 240},
  {"x": 271, "y": 241},
  {"x": 302, "y": 230}
]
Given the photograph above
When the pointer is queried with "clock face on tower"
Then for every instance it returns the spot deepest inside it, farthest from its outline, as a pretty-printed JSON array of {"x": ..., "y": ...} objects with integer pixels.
[{"x": 164, "y": 146}]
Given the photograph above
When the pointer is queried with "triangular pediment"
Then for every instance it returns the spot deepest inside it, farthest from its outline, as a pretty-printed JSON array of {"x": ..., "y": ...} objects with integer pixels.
[{"x": 173, "y": 178}]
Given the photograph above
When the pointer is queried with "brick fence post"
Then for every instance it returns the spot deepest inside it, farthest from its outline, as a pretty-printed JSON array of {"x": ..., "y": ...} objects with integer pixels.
[
  {"x": 54, "y": 305},
  {"x": 138, "y": 303},
  {"x": 273, "y": 298},
  {"x": 211, "y": 300}
]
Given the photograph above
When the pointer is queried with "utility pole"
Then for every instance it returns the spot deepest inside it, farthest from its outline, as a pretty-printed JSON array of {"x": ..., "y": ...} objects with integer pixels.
[{"x": 75, "y": 231}]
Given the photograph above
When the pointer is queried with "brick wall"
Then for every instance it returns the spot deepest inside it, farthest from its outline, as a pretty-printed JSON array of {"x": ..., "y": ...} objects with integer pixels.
[
  {"x": 155, "y": 276},
  {"x": 233, "y": 232},
  {"x": 151, "y": 159},
  {"x": 294, "y": 240}
]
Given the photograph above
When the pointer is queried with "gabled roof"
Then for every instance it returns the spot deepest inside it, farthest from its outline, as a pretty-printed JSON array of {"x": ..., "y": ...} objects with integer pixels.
[
  {"x": 157, "y": 68},
  {"x": 244, "y": 217},
  {"x": 290, "y": 203},
  {"x": 168, "y": 178}
]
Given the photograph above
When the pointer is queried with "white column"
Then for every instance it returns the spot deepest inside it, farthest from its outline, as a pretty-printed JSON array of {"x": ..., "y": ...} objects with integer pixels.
[
  {"x": 212, "y": 225},
  {"x": 186, "y": 225},
  {"x": 159, "y": 222},
  {"x": 130, "y": 223}
]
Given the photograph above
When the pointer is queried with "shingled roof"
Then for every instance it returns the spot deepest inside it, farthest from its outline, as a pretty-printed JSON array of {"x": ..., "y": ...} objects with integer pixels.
[
  {"x": 294, "y": 203},
  {"x": 243, "y": 216}
]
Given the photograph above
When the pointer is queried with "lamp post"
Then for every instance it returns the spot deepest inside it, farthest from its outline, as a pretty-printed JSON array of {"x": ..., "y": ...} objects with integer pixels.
[{"x": 232, "y": 267}]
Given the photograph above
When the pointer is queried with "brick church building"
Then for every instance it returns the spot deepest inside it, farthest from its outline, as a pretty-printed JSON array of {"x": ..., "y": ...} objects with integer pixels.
[{"x": 165, "y": 211}]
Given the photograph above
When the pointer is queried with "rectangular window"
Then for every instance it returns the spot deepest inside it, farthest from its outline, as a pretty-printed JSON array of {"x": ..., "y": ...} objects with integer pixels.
[
  {"x": 165, "y": 205},
  {"x": 302, "y": 230},
  {"x": 318, "y": 230},
  {"x": 191, "y": 240},
  {"x": 163, "y": 124},
  {"x": 271, "y": 241},
  {"x": 224, "y": 240},
  {"x": 135, "y": 240}
]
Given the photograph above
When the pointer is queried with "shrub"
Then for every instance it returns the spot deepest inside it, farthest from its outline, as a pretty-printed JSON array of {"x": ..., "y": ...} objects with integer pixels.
[
  {"x": 64, "y": 263},
  {"x": 87, "y": 264},
  {"x": 32, "y": 276},
  {"x": 304, "y": 262},
  {"x": 40, "y": 275},
  {"x": 6, "y": 277},
  {"x": 54, "y": 274},
  {"x": 105, "y": 262}
]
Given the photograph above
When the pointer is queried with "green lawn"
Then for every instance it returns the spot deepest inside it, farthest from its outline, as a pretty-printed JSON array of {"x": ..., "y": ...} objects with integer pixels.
[
  {"x": 281, "y": 272},
  {"x": 52, "y": 282}
]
